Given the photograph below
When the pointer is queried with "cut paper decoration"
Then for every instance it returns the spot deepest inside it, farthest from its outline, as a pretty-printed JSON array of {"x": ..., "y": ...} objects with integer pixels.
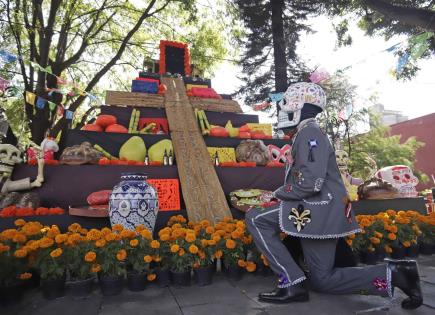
[
  {"x": 7, "y": 57},
  {"x": 224, "y": 154},
  {"x": 40, "y": 102},
  {"x": 69, "y": 114},
  {"x": 168, "y": 193},
  {"x": 403, "y": 61},
  {"x": 282, "y": 155},
  {"x": 4, "y": 84},
  {"x": 51, "y": 105},
  {"x": 276, "y": 97},
  {"x": 319, "y": 75},
  {"x": 30, "y": 98}
]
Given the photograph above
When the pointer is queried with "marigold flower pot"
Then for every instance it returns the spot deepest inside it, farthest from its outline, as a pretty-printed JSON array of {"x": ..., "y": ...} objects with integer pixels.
[
  {"x": 234, "y": 272},
  {"x": 80, "y": 289},
  {"x": 163, "y": 277},
  {"x": 136, "y": 281},
  {"x": 53, "y": 288},
  {"x": 111, "y": 285},
  {"x": 181, "y": 278},
  {"x": 412, "y": 251},
  {"x": 11, "y": 294},
  {"x": 204, "y": 275},
  {"x": 369, "y": 258},
  {"x": 398, "y": 252}
]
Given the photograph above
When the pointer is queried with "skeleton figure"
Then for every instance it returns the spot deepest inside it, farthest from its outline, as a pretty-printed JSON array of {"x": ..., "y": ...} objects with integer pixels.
[
  {"x": 9, "y": 156},
  {"x": 342, "y": 161},
  {"x": 401, "y": 177}
]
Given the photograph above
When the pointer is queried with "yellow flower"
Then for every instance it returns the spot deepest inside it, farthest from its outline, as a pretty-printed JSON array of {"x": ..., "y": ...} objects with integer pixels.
[
  {"x": 147, "y": 259},
  {"x": 241, "y": 263},
  {"x": 250, "y": 266},
  {"x": 19, "y": 222},
  {"x": 151, "y": 277},
  {"x": 90, "y": 256},
  {"x": 95, "y": 268},
  {"x": 100, "y": 243},
  {"x": 134, "y": 242},
  {"x": 175, "y": 248},
  {"x": 53, "y": 231},
  {"x": 56, "y": 253},
  {"x": 146, "y": 234},
  {"x": 25, "y": 276},
  {"x": 155, "y": 244},
  {"x": 61, "y": 238},
  {"x": 165, "y": 237},
  {"x": 190, "y": 237},
  {"x": 46, "y": 242},
  {"x": 218, "y": 254},
  {"x": 121, "y": 255},
  {"x": 93, "y": 235},
  {"x": 193, "y": 249},
  {"x": 230, "y": 244},
  {"x": 105, "y": 231},
  {"x": 20, "y": 253}
]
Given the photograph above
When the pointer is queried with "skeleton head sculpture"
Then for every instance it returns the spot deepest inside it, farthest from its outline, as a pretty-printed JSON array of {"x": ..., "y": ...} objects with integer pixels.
[
  {"x": 401, "y": 177},
  {"x": 342, "y": 160},
  {"x": 9, "y": 156}
]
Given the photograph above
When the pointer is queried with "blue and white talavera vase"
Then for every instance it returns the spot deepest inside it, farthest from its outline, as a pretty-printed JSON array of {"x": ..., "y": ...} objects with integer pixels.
[{"x": 133, "y": 202}]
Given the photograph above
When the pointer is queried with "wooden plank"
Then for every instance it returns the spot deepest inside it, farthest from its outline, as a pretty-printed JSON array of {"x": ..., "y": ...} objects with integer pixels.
[
  {"x": 215, "y": 105},
  {"x": 202, "y": 192},
  {"x": 120, "y": 98}
]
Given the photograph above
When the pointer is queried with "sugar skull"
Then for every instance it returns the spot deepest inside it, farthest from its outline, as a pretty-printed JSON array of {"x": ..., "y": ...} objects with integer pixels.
[
  {"x": 282, "y": 155},
  {"x": 401, "y": 177}
]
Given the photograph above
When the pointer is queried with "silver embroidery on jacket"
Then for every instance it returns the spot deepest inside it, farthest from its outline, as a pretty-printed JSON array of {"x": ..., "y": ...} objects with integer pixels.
[{"x": 318, "y": 184}]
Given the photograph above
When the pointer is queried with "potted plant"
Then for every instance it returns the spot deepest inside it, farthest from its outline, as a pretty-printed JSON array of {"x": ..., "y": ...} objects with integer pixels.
[
  {"x": 139, "y": 258},
  {"x": 51, "y": 263},
  {"x": 80, "y": 257},
  {"x": 110, "y": 259},
  {"x": 426, "y": 224},
  {"x": 15, "y": 249},
  {"x": 401, "y": 235},
  {"x": 162, "y": 256}
]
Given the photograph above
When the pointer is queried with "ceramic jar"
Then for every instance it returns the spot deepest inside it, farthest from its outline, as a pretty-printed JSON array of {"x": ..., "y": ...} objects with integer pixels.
[{"x": 133, "y": 202}]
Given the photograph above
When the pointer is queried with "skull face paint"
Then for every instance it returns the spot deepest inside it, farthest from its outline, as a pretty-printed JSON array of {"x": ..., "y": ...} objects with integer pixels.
[{"x": 401, "y": 177}]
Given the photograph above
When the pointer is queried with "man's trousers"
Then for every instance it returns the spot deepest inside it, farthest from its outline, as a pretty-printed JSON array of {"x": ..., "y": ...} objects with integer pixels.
[{"x": 319, "y": 255}]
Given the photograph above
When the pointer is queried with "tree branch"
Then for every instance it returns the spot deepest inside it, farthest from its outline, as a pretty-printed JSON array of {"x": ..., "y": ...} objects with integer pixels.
[{"x": 421, "y": 18}]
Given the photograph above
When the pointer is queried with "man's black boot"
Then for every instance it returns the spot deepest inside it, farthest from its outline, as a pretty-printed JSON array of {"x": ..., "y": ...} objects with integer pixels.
[
  {"x": 294, "y": 293},
  {"x": 404, "y": 275}
]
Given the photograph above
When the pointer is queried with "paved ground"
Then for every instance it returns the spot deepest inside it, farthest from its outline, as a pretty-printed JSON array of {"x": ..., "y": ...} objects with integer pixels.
[{"x": 226, "y": 297}]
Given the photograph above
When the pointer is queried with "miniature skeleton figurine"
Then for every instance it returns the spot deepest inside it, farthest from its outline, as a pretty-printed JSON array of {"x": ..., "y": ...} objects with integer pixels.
[
  {"x": 9, "y": 156},
  {"x": 343, "y": 161},
  {"x": 401, "y": 177}
]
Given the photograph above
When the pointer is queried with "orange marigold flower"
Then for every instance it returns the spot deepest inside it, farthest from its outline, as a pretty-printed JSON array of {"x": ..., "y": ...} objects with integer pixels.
[
  {"x": 75, "y": 228},
  {"x": 388, "y": 249},
  {"x": 121, "y": 255},
  {"x": 134, "y": 243},
  {"x": 140, "y": 227},
  {"x": 190, "y": 237},
  {"x": 375, "y": 240},
  {"x": 147, "y": 259},
  {"x": 20, "y": 253},
  {"x": 19, "y": 238},
  {"x": 392, "y": 236},
  {"x": 406, "y": 244},
  {"x": 146, "y": 234},
  {"x": 235, "y": 234},
  {"x": 151, "y": 277},
  {"x": 53, "y": 231},
  {"x": 175, "y": 248},
  {"x": 155, "y": 244},
  {"x": 19, "y": 222},
  {"x": 90, "y": 256},
  {"x": 193, "y": 249},
  {"x": 218, "y": 254},
  {"x": 349, "y": 242},
  {"x": 351, "y": 236},
  {"x": 25, "y": 276},
  {"x": 61, "y": 238},
  {"x": 230, "y": 244},
  {"x": 181, "y": 252},
  {"x": 211, "y": 242},
  {"x": 46, "y": 242},
  {"x": 250, "y": 266},
  {"x": 56, "y": 253},
  {"x": 241, "y": 263},
  {"x": 378, "y": 234},
  {"x": 209, "y": 230},
  {"x": 100, "y": 243},
  {"x": 95, "y": 268},
  {"x": 110, "y": 237},
  {"x": 117, "y": 227},
  {"x": 157, "y": 258},
  {"x": 165, "y": 237}
]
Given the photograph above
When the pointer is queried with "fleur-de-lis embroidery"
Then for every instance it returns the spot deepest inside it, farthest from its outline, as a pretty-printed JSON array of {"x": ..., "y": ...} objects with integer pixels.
[{"x": 300, "y": 216}]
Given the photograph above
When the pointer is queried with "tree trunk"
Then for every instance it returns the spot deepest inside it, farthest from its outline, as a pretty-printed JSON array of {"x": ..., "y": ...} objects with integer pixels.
[{"x": 279, "y": 45}]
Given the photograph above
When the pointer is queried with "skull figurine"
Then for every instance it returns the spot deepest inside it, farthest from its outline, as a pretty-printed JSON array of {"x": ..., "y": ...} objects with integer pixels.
[
  {"x": 9, "y": 156},
  {"x": 401, "y": 177},
  {"x": 342, "y": 160}
]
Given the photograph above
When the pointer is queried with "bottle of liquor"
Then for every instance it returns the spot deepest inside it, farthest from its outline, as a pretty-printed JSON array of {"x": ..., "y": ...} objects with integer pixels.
[
  {"x": 216, "y": 159},
  {"x": 165, "y": 158},
  {"x": 171, "y": 158},
  {"x": 147, "y": 159}
]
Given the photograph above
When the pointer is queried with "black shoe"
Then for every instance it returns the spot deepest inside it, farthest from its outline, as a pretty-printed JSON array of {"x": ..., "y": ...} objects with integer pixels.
[
  {"x": 404, "y": 275},
  {"x": 295, "y": 293}
]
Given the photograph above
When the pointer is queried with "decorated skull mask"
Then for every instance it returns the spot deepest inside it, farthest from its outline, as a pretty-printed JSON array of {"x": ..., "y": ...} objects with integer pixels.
[
  {"x": 342, "y": 160},
  {"x": 297, "y": 94},
  {"x": 9, "y": 156},
  {"x": 401, "y": 177}
]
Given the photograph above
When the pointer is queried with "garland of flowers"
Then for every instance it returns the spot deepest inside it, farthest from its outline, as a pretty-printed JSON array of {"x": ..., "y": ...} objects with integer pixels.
[{"x": 162, "y": 61}]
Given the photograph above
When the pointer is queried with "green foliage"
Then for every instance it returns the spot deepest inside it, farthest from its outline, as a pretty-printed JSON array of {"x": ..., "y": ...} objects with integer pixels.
[{"x": 382, "y": 147}]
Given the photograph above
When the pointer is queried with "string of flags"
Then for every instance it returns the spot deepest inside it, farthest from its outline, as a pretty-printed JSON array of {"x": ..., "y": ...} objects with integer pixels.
[{"x": 68, "y": 89}]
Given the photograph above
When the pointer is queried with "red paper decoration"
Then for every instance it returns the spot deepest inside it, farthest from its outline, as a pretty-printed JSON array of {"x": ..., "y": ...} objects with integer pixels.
[{"x": 169, "y": 193}]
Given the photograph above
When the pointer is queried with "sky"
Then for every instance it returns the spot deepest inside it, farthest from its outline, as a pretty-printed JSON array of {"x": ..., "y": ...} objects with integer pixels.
[{"x": 370, "y": 70}]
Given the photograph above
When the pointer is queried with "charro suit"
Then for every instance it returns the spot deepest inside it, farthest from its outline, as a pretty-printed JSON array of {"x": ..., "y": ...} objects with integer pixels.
[{"x": 314, "y": 207}]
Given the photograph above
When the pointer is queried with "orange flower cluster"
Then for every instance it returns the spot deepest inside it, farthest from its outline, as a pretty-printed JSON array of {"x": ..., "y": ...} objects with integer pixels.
[{"x": 13, "y": 211}]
